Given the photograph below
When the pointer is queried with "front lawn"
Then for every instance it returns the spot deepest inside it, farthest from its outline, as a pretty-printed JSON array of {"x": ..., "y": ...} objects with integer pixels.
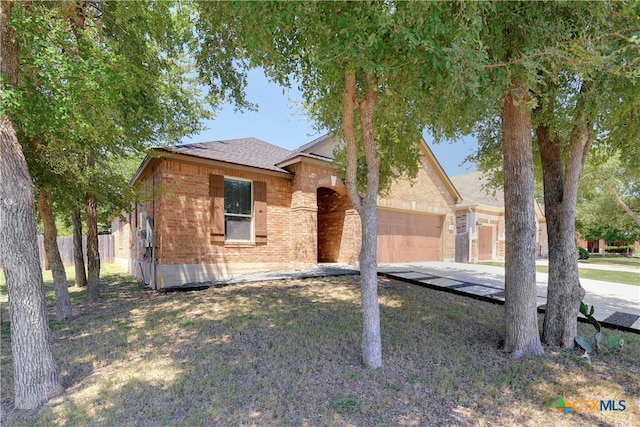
[
  {"x": 612, "y": 260},
  {"x": 626, "y": 277},
  {"x": 287, "y": 353}
]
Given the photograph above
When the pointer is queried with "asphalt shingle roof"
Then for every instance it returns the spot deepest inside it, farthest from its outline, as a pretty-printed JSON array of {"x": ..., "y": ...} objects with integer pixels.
[
  {"x": 246, "y": 151},
  {"x": 308, "y": 147},
  {"x": 474, "y": 189},
  {"x": 307, "y": 150}
]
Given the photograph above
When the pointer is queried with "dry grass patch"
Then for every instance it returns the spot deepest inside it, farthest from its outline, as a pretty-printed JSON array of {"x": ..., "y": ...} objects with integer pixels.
[{"x": 287, "y": 353}]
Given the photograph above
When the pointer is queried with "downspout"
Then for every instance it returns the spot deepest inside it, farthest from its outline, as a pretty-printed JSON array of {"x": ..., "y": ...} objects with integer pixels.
[
  {"x": 470, "y": 220},
  {"x": 154, "y": 240}
]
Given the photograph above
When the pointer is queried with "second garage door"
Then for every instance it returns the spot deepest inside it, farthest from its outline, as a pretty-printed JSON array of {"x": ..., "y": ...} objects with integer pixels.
[
  {"x": 485, "y": 243},
  {"x": 409, "y": 236}
]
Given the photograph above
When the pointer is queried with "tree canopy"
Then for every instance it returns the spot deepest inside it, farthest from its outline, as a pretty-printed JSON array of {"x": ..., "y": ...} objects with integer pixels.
[
  {"x": 102, "y": 80},
  {"x": 84, "y": 84},
  {"x": 598, "y": 214},
  {"x": 579, "y": 63},
  {"x": 373, "y": 73}
]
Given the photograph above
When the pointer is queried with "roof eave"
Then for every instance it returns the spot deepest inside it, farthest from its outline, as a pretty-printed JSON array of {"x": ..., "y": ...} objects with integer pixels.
[
  {"x": 212, "y": 162},
  {"x": 303, "y": 157},
  {"x": 482, "y": 206},
  {"x": 141, "y": 169},
  {"x": 443, "y": 174}
]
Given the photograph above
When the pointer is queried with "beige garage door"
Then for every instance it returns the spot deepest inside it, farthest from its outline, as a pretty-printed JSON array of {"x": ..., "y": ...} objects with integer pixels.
[{"x": 409, "y": 237}]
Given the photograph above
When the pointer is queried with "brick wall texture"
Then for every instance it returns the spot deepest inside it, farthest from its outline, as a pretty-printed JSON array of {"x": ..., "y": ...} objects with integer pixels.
[{"x": 309, "y": 218}]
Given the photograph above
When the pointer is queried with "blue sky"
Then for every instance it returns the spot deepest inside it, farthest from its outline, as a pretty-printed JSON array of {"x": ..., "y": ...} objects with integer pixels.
[{"x": 280, "y": 121}]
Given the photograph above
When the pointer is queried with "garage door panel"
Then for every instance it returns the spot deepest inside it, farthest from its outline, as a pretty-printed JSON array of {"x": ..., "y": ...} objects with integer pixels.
[
  {"x": 485, "y": 243},
  {"x": 408, "y": 237}
]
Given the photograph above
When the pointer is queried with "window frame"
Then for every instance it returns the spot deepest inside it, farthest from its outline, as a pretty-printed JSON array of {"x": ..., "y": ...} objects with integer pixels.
[{"x": 251, "y": 216}]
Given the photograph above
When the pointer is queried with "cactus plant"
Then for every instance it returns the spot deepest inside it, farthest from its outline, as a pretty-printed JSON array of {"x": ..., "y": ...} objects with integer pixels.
[{"x": 614, "y": 344}]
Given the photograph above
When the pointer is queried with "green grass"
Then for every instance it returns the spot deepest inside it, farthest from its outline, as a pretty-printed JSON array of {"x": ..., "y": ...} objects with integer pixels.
[
  {"x": 109, "y": 273},
  {"x": 626, "y": 277},
  {"x": 288, "y": 353},
  {"x": 348, "y": 405},
  {"x": 612, "y": 260}
]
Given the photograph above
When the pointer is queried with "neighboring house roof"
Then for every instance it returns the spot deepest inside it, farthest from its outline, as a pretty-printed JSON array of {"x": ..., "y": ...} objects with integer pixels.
[
  {"x": 246, "y": 151},
  {"x": 475, "y": 190}
]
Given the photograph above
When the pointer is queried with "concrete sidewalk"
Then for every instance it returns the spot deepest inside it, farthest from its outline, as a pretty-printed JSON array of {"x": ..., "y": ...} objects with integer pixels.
[{"x": 616, "y": 305}]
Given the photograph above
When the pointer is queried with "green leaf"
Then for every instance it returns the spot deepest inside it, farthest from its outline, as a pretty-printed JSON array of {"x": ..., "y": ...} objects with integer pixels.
[
  {"x": 584, "y": 344},
  {"x": 613, "y": 342},
  {"x": 599, "y": 338},
  {"x": 583, "y": 308},
  {"x": 594, "y": 322}
]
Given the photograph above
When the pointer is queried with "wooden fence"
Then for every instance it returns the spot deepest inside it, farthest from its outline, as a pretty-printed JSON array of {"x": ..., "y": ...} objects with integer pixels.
[
  {"x": 462, "y": 247},
  {"x": 65, "y": 246}
]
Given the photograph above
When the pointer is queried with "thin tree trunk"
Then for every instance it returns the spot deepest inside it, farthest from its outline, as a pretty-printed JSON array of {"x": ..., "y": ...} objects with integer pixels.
[
  {"x": 368, "y": 210},
  {"x": 63, "y": 301},
  {"x": 521, "y": 318},
  {"x": 624, "y": 206},
  {"x": 564, "y": 292},
  {"x": 371, "y": 335},
  {"x": 35, "y": 378},
  {"x": 78, "y": 255},
  {"x": 93, "y": 255}
]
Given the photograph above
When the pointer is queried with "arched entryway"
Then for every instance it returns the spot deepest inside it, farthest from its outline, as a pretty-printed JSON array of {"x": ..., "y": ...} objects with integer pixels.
[{"x": 331, "y": 217}]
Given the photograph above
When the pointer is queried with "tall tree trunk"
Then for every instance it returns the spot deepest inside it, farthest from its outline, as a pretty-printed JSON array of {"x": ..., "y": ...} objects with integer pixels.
[
  {"x": 35, "y": 378},
  {"x": 564, "y": 292},
  {"x": 78, "y": 254},
  {"x": 93, "y": 254},
  {"x": 521, "y": 318},
  {"x": 63, "y": 301},
  {"x": 35, "y": 372},
  {"x": 368, "y": 210}
]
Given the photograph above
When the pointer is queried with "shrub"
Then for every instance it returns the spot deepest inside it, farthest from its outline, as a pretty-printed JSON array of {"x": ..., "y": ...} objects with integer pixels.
[
  {"x": 583, "y": 253},
  {"x": 619, "y": 249}
]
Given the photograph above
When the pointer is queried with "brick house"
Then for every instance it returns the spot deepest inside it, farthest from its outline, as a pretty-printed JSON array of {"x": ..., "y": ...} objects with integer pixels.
[
  {"x": 223, "y": 208},
  {"x": 480, "y": 221}
]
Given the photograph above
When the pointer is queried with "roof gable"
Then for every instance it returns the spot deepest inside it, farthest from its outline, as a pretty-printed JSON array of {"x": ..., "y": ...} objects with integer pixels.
[
  {"x": 322, "y": 149},
  {"x": 319, "y": 149}
]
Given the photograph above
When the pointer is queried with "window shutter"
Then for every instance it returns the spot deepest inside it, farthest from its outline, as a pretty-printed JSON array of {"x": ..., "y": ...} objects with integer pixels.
[
  {"x": 260, "y": 211},
  {"x": 216, "y": 193}
]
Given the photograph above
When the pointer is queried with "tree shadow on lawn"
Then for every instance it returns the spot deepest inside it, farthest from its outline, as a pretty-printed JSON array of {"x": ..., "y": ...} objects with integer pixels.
[{"x": 288, "y": 353}]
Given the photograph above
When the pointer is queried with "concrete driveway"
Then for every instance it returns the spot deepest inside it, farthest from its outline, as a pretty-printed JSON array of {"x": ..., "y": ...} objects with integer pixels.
[{"x": 616, "y": 305}]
